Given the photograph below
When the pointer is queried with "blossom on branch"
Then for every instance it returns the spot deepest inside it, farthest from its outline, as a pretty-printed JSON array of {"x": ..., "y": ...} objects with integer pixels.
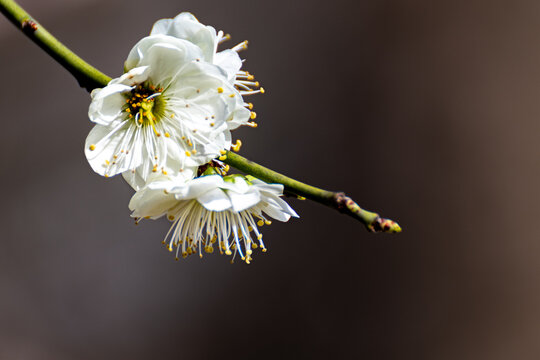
[{"x": 226, "y": 211}]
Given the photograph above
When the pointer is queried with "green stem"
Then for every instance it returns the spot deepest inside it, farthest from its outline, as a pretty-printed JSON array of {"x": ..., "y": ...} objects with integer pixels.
[
  {"x": 88, "y": 76},
  {"x": 91, "y": 78},
  {"x": 337, "y": 200}
]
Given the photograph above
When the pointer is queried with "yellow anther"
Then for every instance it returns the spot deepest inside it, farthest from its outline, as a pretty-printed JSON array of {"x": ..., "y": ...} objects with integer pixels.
[
  {"x": 184, "y": 254},
  {"x": 260, "y": 222},
  {"x": 171, "y": 217},
  {"x": 249, "y": 252},
  {"x": 212, "y": 124},
  {"x": 232, "y": 95},
  {"x": 193, "y": 151},
  {"x": 301, "y": 197},
  {"x": 254, "y": 246},
  {"x": 250, "y": 106},
  {"x": 262, "y": 90},
  {"x": 115, "y": 156},
  {"x": 140, "y": 121},
  {"x": 172, "y": 116},
  {"x": 128, "y": 110},
  {"x": 250, "y": 228},
  {"x": 188, "y": 153},
  {"x": 263, "y": 249},
  {"x": 176, "y": 258},
  {"x": 252, "y": 124},
  {"x": 223, "y": 158},
  {"x": 107, "y": 162},
  {"x": 154, "y": 170},
  {"x": 256, "y": 83},
  {"x": 106, "y": 175},
  {"x": 220, "y": 90},
  {"x": 251, "y": 77},
  {"x": 183, "y": 138},
  {"x": 267, "y": 222},
  {"x": 236, "y": 147},
  {"x": 253, "y": 115},
  {"x": 259, "y": 237},
  {"x": 226, "y": 168},
  {"x": 228, "y": 252},
  {"x": 167, "y": 134},
  {"x": 92, "y": 147},
  {"x": 164, "y": 172},
  {"x": 222, "y": 152}
]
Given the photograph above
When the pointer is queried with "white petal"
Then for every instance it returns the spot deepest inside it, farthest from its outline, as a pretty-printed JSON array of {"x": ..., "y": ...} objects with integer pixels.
[
  {"x": 133, "y": 77},
  {"x": 276, "y": 213},
  {"x": 106, "y": 105},
  {"x": 240, "y": 116},
  {"x": 243, "y": 201},
  {"x": 185, "y": 26},
  {"x": 197, "y": 187},
  {"x": 165, "y": 55},
  {"x": 214, "y": 200},
  {"x": 229, "y": 61},
  {"x": 151, "y": 202},
  {"x": 104, "y": 143}
]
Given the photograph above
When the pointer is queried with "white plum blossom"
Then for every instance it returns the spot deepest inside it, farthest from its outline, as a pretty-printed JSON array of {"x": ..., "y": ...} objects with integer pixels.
[
  {"x": 211, "y": 209},
  {"x": 186, "y": 26},
  {"x": 169, "y": 112}
]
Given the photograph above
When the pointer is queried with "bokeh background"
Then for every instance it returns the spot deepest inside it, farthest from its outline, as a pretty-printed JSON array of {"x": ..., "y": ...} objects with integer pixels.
[{"x": 426, "y": 111}]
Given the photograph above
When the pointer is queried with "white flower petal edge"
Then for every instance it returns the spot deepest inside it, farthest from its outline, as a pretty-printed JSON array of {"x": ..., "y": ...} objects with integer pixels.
[
  {"x": 212, "y": 209},
  {"x": 169, "y": 112},
  {"x": 186, "y": 26}
]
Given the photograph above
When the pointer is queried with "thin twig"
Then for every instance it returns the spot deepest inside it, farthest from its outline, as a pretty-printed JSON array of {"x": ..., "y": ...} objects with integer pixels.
[{"x": 337, "y": 200}]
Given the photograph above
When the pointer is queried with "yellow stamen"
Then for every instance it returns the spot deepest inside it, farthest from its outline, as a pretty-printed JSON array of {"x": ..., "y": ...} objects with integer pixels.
[{"x": 236, "y": 147}]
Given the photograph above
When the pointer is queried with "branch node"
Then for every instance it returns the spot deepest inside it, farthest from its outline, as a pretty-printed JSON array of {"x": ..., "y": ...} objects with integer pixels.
[
  {"x": 29, "y": 26},
  {"x": 373, "y": 221}
]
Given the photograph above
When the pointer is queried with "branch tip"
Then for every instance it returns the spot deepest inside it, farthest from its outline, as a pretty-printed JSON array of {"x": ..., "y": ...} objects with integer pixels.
[{"x": 373, "y": 221}]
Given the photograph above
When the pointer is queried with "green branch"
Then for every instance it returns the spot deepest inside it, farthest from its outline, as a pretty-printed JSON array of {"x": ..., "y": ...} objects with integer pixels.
[
  {"x": 88, "y": 76},
  {"x": 337, "y": 200},
  {"x": 91, "y": 78}
]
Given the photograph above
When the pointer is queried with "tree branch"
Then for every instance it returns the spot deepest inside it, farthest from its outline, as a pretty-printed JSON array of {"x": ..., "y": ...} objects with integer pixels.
[
  {"x": 337, "y": 200},
  {"x": 87, "y": 76},
  {"x": 91, "y": 78}
]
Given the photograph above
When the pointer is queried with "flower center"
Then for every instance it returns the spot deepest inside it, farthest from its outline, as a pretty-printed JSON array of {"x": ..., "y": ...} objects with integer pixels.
[{"x": 145, "y": 105}]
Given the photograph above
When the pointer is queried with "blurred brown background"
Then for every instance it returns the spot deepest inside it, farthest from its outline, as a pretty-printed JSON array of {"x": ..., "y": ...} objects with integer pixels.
[{"x": 427, "y": 112}]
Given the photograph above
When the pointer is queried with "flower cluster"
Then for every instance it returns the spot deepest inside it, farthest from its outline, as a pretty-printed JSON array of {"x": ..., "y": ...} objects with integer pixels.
[{"x": 163, "y": 123}]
